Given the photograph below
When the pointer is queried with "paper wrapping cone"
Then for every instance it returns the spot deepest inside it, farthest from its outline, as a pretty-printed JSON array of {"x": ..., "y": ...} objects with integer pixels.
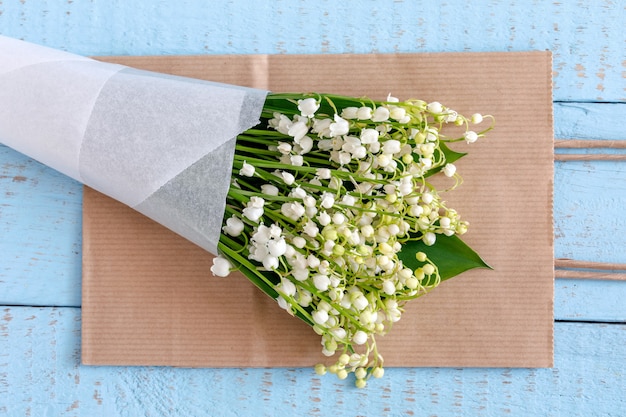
[{"x": 146, "y": 139}]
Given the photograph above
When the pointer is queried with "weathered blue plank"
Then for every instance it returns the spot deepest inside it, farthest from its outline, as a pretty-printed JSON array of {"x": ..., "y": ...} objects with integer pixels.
[
  {"x": 590, "y": 300},
  {"x": 585, "y": 37},
  {"x": 589, "y": 203},
  {"x": 589, "y": 121},
  {"x": 40, "y": 225},
  {"x": 40, "y": 375},
  {"x": 39, "y": 371}
]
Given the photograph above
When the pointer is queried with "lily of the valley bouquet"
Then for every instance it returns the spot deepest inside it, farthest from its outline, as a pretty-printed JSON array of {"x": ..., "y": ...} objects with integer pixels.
[
  {"x": 331, "y": 212},
  {"x": 326, "y": 203}
]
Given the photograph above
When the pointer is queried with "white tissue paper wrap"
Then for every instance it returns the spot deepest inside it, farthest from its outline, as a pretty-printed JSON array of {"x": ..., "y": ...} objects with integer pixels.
[{"x": 160, "y": 144}]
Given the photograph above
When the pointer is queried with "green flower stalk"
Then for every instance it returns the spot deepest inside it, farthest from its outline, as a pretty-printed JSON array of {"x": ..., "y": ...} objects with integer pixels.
[{"x": 331, "y": 213}]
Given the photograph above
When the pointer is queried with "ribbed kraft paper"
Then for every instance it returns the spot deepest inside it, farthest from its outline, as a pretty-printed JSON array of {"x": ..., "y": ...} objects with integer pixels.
[{"x": 149, "y": 297}]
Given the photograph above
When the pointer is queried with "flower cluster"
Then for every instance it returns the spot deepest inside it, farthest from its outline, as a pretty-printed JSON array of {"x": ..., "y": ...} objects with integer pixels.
[{"x": 327, "y": 195}]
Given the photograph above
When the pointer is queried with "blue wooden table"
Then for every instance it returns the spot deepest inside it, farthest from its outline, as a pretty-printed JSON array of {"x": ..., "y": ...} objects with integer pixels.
[{"x": 40, "y": 213}]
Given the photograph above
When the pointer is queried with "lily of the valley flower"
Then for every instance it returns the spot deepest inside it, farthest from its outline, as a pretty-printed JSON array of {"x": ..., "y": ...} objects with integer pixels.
[
  {"x": 254, "y": 209},
  {"x": 234, "y": 226},
  {"x": 476, "y": 118},
  {"x": 308, "y": 107},
  {"x": 247, "y": 170},
  {"x": 449, "y": 170},
  {"x": 221, "y": 266},
  {"x": 381, "y": 114},
  {"x": 470, "y": 136},
  {"x": 339, "y": 127}
]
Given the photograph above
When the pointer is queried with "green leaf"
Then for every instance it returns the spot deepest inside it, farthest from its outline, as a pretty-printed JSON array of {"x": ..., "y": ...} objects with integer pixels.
[
  {"x": 450, "y": 254},
  {"x": 451, "y": 156}
]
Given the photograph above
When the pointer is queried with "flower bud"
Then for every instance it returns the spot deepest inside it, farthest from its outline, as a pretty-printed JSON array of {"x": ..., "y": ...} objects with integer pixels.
[
  {"x": 449, "y": 170},
  {"x": 360, "y": 302},
  {"x": 329, "y": 233},
  {"x": 470, "y": 136},
  {"x": 411, "y": 283},
  {"x": 429, "y": 238},
  {"x": 349, "y": 112},
  {"x": 277, "y": 247},
  {"x": 328, "y": 200},
  {"x": 234, "y": 226},
  {"x": 252, "y": 213},
  {"x": 310, "y": 229},
  {"x": 378, "y": 372},
  {"x": 388, "y": 287},
  {"x": 391, "y": 146},
  {"x": 397, "y": 113},
  {"x": 246, "y": 170},
  {"x": 284, "y": 148},
  {"x": 269, "y": 189},
  {"x": 444, "y": 222},
  {"x": 434, "y": 107},
  {"x": 339, "y": 127},
  {"x": 476, "y": 118},
  {"x": 296, "y": 160},
  {"x": 308, "y": 107},
  {"x": 270, "y": 262},
  {"x": 304, "y": 298},
  {"x": 221, "y": 266},
  {"x": 339, "y": 250},
  {"x": 321, "y": 282},
  {"x": 419, "y": 138},
  {"x": 298, "y": 130},
  {"x": 364, "y": 113},
  {"x": 323, "y": 173},
  {"x": 381, "y": 114},
  {"x": 300, "y": 274},
  {"x": 320, "y": 369},
  {"x": 339, "y": 218},
  {"x": 298, "y": 242},
  {"x": 320, "y": 316},
  {"x": 369, "y": 136},
  {"x": 360, "y": 337}
]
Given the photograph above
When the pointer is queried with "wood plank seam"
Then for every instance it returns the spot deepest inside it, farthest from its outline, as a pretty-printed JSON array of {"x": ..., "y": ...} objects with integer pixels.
[
  {"x": 589, "y": 144},
  {"x": 573, "y": 269}
]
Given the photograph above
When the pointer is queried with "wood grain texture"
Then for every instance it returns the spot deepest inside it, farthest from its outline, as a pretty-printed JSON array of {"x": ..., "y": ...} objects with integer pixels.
[
  {"x": 40, "y": 224},
  {"x": 588, "y": 210},
  {"x": 582, "y": 144},
  {"x": 589, "y": 157},
  {"x": 588, "y": 56},
  {"x": 40, "y": 212},
  {"x": 590, "y": 300},
  {"x": 592, "y": 121},
  {"x": 40, "y": 375}
]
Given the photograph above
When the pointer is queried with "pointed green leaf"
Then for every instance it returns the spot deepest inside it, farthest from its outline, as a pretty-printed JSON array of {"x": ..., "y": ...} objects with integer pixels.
[
  {"x": 451, "y": 156},
  {"x": 451, "y": 255}
]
